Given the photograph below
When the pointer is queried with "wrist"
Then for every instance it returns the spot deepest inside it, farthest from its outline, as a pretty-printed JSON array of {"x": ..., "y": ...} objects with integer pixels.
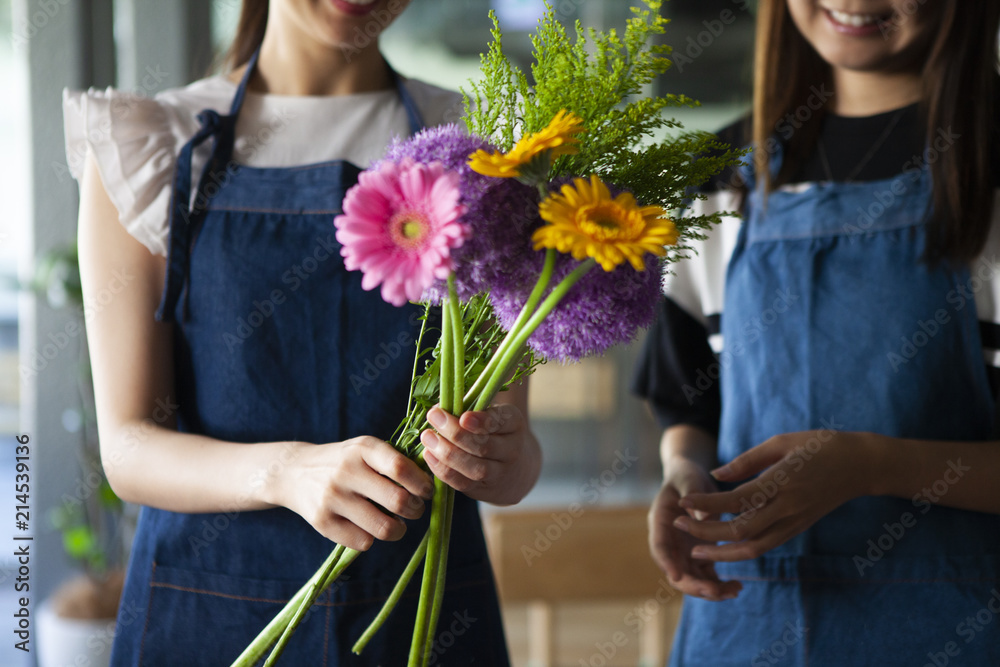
[
  {"x": 270, "y": 479},
  {"x": 524, "y": 477},
  {"x": 687, "y": 444},
  {"x": 531, "y": 468},
  {"x": 876, "y": 462}
]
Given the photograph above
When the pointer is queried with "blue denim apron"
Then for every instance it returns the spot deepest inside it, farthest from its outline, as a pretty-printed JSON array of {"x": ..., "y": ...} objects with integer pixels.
[
  {"x": 831, "y": 321},
  {"x": 276, "y": 341}
]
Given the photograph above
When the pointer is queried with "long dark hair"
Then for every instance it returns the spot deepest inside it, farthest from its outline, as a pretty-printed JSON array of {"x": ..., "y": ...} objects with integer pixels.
[
  {"x": 249, "y": 33},
  {"x": 960, "y": 85}
]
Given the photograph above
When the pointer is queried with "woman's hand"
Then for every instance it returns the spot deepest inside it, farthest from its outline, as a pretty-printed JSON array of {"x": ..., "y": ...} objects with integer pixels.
[
  {"x": 670, "y": 547},
  {"x": 804, "y": 476},
  {"x": 336, "y": 487},
  {"x": 490, "y": 455}
]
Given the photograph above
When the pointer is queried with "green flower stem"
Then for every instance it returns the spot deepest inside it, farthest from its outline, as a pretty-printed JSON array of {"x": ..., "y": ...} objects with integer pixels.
[
  {"x": 339, "y": 559},
  {"x": 346, "y": 558},
  {"x": 442, "y": 571},
  {"x": 416, "y": 362},
  {"x": 397, "y": 592},
  {"x": 518, "y": 339},
  {"x": 255, "y": 651},
  {"x": 275, "y": 629},
  {"x": 429, "y": 581},
  {"x": 279, "y": 624},
  {"x": 458, "y": 350},
  {"x": 447, "y": 357},
  {"x": 435, "y": 562},
  {"x": 526, "y": 312}
]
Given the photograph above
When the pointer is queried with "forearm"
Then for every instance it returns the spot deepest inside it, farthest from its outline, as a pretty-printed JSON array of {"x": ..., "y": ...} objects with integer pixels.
[
  {"x": 954, "y": 474},
  {"x": 156, "y": 466},
  {"x": 689, "y": 442}
]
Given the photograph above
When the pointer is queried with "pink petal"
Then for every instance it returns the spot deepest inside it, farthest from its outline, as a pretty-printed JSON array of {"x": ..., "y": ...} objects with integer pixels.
[
  {"x": 415, "y": 183},
  {"x": 392, "y": 292}
]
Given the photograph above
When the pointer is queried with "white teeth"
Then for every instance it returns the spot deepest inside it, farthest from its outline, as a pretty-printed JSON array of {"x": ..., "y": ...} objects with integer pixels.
[{"x": 854, "y": 20}]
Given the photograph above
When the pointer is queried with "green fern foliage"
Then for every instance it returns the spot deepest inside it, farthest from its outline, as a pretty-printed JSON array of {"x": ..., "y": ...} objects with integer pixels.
[{"x": 601, "y": 76}]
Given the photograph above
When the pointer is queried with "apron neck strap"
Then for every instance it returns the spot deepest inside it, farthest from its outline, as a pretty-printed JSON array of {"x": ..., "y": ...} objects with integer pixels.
[
  {"x": 184, "y": 218},
  {"x": 413, "y": 115},
  {"x": 241, "y": 90}
]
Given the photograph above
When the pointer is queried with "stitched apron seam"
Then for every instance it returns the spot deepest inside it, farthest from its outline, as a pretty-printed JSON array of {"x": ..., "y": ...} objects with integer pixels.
[{"x": 149, "y": 609}]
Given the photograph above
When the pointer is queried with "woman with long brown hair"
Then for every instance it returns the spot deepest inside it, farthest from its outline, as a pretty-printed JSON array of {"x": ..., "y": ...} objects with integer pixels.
[
  {"x": 826, "y": 370},
  {"x": 245, "y": 382}
]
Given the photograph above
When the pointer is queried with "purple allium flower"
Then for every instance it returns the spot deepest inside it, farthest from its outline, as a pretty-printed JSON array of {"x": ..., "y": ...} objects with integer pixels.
[
  {"x": 603, "y": 309},
  {"x": 503, "y": 213}
]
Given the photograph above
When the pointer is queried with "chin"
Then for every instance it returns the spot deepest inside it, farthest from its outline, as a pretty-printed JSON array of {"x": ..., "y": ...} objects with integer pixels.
[
  {"x": 856, "y": 58},
  {"x": 345, "y": 24}
]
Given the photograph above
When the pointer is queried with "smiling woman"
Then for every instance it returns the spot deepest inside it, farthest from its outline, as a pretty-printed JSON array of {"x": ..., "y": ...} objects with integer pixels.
[
  {"x": 220, "y": 198},
  {"x": 816, "y": 484}
]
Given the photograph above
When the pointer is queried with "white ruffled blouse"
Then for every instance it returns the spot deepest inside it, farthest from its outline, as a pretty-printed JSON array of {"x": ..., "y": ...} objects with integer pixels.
[{"x": 135, "y": 139}]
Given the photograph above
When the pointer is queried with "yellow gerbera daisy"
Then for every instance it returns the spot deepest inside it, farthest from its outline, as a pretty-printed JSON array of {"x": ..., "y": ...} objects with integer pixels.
[
  {"x": 558, "y": 138},
  {"x": 586, "y": 221}
]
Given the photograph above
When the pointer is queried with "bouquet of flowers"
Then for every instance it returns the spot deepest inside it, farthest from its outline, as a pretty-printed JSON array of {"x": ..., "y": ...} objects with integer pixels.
[{"x": 540, "y": 233}]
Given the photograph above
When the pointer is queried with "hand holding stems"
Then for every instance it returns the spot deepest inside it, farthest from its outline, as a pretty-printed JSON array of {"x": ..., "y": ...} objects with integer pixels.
[
  {"x": 336, "y": 487},
  {"x": 802, "y": 478},
  {"x": 489, "y": 455}
]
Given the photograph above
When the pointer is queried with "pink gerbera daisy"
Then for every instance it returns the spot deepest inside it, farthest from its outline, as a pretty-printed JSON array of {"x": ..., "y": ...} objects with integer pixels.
[{"x": 399, "y": 225}]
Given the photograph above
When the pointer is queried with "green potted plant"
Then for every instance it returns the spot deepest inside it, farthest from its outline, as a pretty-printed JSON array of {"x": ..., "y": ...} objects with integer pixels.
[{"x": 78, "y": 619}]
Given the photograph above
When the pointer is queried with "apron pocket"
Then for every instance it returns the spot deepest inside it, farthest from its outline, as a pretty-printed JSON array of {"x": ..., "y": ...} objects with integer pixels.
[
  {"x": 762, "y": 627},
  {"x": 202, "y": 619},
  {"x": 936, "y": 611},
  {"x": 206, "y": 619},
  {"x": 469, "y": 632}
]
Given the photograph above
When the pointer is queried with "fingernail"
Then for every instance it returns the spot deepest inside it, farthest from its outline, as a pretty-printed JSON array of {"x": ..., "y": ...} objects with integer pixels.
[
  {"x": 722, "y": 470},
  {"x": 704, "y": 592},
  {"x": 474, "y": 421},
  {"x": 429, "y": 456},
  {"x": 436, "y": 417},
  {"x": 729, "y": 596},
  {"x": 698, "y": 552},
  {"x": 682, "y": 523},
  {"x": 430, "y": 440}
]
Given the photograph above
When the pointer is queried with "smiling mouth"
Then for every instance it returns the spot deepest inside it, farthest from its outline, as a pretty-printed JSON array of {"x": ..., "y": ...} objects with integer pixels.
[
  {"x": 356, "y": 7},
  {"x": 852, "y": 20}
]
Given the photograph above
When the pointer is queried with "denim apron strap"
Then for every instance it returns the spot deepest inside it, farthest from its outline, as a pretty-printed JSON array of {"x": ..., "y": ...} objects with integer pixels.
[
  {"x": 825, "y": 293},
  {"x": 413, "y": 115},
  {"x": 183, "y": 216}
]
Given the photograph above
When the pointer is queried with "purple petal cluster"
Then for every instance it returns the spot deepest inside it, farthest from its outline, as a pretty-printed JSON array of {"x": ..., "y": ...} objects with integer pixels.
[
  {"x": 603, "y": 309},
  {"x": 502, "y": 212}
]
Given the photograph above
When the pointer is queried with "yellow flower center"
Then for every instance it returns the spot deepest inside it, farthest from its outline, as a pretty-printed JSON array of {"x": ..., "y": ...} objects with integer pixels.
[
  {"x": 585, "y": 221},
  {"x": 605, "y": 221},
  {"x": 408, "y": 229},
  {"x": 411, "y": 229}
]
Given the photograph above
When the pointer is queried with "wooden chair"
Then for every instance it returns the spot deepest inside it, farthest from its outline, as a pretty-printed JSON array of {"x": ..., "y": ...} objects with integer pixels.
[{"x": 580, "y": 555}]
